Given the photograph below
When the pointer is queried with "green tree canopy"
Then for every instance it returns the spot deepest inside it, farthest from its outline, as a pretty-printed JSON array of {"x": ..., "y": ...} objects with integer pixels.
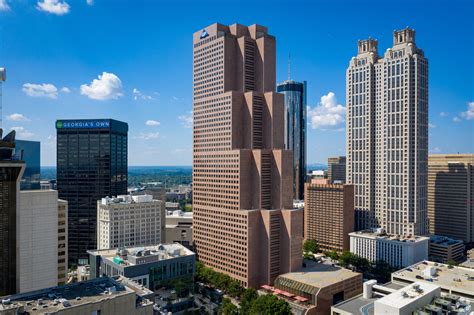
[
  {"x": 269, "y": 305},
  {"x": 310, "y": 246}
]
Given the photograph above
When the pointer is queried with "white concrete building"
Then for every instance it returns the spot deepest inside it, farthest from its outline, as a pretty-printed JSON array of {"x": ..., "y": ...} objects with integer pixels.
[
  {"x": 38, "y": 240},
  {"x": 395, "y": 250},
  {"x": 128, "y": 221},
  {"x": 387, "y": 135},
  {"x": 407, "y": 300},
  {"x": 179, "y": 227}
]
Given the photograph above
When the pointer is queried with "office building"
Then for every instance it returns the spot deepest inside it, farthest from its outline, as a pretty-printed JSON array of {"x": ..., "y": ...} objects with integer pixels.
[
  {"x": 315, "y": 288},
  {"x": 30, "y": 153},
  {"x": 244, "y": 224},
  {"x": 179, "y": 228},
  {"x": 387, "y": 135},
  {"x": 453, "y": 280},
  {"x": 444, "y": 249},
  {"x": 450, "y": 195},
  {"x": 40, "y": 259},
  {"x": 91, "y": 164},
  {"x": 329, "y": 214},
  {"x": 97, "y": 296},
  {"x": 62, "y": 242},
  {"x": 295, "y": 130},
  {"x": 151, "y": 266},
  {"x": 128, "y": 220},
  {"x": 418, "y": 298},
  {"x": 397, "y": 251},
  {"x": 337, "y": 169},
  {"x": 158, "y": 191},
  {"x": 10, "y": 174}
]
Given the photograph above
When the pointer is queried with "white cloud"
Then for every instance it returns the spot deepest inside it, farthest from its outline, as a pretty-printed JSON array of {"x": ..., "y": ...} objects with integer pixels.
[
  {"x": 431, "y": 125},
  {"x": 65, "y": 89},
  {"x": 4, "y": 5},
  {"x": 152, "y": 123},
  {"x": 17, "y": 117},
  {"x": 23, "y": 133},
  {"x": 456, "y": 119},
  {"x": 174, "y": 98},
  {"x": 58, "y": 7},
  {"x": 328, "y": 114},
  {"x": 187, "y": 120},
  {"x": 90, "y": 2},
  {"x": 435, "y": 150},
  {"x": 443, "y": 114},
  {"x": 107, "y": 86},
  {"x": 148, "y": 136},
  {"x": 40, "y": 90},
  {"x": 139, "y": 95},
  {"x": 469, "y": 114}
]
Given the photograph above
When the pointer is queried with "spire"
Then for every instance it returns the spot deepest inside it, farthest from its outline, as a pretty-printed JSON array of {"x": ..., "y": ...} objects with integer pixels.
[{"x": 289, "y": 67}]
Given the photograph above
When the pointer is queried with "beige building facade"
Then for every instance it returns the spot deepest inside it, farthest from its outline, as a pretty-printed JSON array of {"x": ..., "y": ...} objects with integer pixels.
[
  {"x": 62, "y": 242},
  {"x": 329, "y": 214},
  {"x": 387, "y": 135},
  {"x": 337, "y": 169},
  {"x": 451, "y": 195},
  {"x": 243, "y": 221}
]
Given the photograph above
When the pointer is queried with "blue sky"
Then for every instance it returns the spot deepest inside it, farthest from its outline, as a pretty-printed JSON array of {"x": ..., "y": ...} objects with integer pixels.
[{"x": 54, "y": 49}]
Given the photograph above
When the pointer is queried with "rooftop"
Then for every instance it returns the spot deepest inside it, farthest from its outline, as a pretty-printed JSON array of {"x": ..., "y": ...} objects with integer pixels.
[
  {"x": 459, "y": 280},
  {"x": 55, "y": 299},
  {"x": 179, "y": 214},
  {"x": 321, "y": 275},
  {"x": 444, "y": 241},
  {"x": 380, "y": 234},
  {"x": 127, "y": 199},
  {"x": 408, "y": 294},
  {"x": 131, "y": 256}
]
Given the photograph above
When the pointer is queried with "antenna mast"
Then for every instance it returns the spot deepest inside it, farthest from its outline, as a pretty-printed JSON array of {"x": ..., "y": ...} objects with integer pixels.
[
  {"x": 289, "y": 67},
  {"x": 3, "y": 76}
]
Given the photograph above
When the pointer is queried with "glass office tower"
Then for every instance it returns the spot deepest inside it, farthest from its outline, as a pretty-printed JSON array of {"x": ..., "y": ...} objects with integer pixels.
[
  {"x": 91, "y": 164},
  {"x": 10, "y": 173},
  {"x": 295, "y": 130},
  {"x": 29, "y": 152}
]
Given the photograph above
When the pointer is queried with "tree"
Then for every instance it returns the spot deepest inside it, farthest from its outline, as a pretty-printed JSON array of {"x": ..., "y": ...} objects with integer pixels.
[
  {"x": 452, "y": 262},
  {"x": 269, "y": 305},
  {"x": 248, "y": 296},
  {"x": 333, "y": 255},
  {"x": 228, "y": 308},
  {"x": 310, "y": 246}
]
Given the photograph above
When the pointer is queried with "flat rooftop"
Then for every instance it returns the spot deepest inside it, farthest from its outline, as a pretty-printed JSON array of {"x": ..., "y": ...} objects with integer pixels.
[
  {"x": 455, "y": 279},
  {"x": 382, "y": 235},
  {"x": 131, "y": 256},
  {"x": 321, "y": 275},
  {"x": 359, "y": 305},
  {"x": 68, "y": 296},
  {"x": 408, "y": 294},
  {"x": 444, "y": 241}
]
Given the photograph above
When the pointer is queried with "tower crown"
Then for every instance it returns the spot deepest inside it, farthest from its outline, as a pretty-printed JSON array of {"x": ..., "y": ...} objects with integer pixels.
[
  {"x": 367, "y": 45},
  {"x": 407, "y": 35}
]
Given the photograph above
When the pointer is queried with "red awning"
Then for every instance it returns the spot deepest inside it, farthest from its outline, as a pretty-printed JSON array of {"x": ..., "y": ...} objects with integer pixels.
[
  {"x": 287, "y": 294},
  {"x": 301, "y": 299},
  {"x": 278, "y": 291},
  {"x": 266, "y": 287}
]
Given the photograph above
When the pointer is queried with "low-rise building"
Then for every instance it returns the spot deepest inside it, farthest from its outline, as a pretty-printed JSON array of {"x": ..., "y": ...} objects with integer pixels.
[
  {"x": 151, "y": 266},
  {"x": 418, "y": 298},
  {"x": 128, "y": 220},
  {"x": 397, "y": 251},
  {"x": 443, "y": 249},
  {"x": 179, "y": 227},
  {"x": 314, "y": 289},
  {"x": 453, "y": 280},
  {"x": 98, "y": 296}
]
